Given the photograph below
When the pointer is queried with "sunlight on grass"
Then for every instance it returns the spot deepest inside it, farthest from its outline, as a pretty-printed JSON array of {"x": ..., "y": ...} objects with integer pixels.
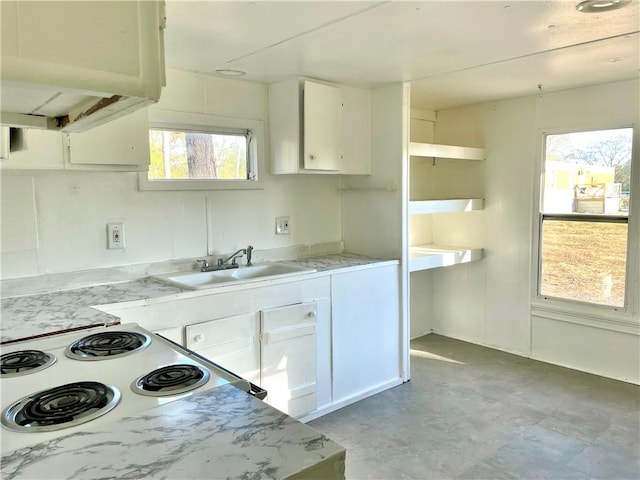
[{"x": 584, "y": 261}]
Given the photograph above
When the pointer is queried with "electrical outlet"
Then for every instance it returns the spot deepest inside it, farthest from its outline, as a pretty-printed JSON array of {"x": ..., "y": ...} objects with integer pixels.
[
  {"x": 115, "y": 235},
  {"x": 283, "y": 225}
]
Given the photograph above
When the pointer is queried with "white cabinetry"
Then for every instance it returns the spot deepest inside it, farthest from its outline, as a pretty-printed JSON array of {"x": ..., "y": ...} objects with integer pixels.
[
  {"x": 231, "y": 342},
  {"x": 289, "y": 357},
  {"x": 322, "y": 112},
  {"x": 314, "y": 344},
  {"x": 365, "y": 333},
  {"x": 75, "y": 65},
  {"x": 319, "y": 128},
  {"x": 429, "y": 200},
  {"x": 122, "y": 144}
]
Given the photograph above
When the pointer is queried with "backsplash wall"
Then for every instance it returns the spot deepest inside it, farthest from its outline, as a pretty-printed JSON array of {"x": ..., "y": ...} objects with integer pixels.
[{"x": 55, "y": 221}]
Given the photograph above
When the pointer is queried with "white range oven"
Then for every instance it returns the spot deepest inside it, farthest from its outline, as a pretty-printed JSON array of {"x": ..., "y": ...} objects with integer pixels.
[{"x": 59, "y": 384}]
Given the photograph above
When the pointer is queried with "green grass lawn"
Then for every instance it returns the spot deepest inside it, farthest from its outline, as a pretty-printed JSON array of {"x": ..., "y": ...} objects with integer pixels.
[{"x": 584, "y": 261}]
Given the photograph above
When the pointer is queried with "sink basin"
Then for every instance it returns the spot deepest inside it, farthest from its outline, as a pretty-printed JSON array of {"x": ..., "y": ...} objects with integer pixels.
[{"x": 198, "y": 280}]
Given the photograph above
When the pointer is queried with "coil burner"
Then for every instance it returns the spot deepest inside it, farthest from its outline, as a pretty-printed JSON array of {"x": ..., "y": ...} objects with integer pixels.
[
  {"x": 107, "y": 345},
  {"x": 170, "y": 380},
  {"x": 60, "y": 407},
  {"x": 24, "y": 362}
]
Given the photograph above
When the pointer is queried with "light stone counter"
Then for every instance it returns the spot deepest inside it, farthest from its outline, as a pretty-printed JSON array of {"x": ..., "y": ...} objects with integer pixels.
[
  {"x": 46, "y": 313},
  {"x": 219, "y": 434}
]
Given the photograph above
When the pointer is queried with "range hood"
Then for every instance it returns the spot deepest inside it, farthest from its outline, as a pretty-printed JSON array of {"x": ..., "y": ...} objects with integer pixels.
[{"x": 71, "y": 66}]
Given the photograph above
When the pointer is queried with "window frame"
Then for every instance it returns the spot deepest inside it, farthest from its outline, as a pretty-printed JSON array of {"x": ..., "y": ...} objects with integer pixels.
[
  {"x": 573, "y": 310},
  {"x": 203, "y": 123}
]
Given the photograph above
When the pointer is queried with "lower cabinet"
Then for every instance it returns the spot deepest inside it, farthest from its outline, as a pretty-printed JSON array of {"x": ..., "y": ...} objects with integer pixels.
[
  {"x": 276, "y": 348},
  {"x": 289, "y": 351},
  {"x": 315, "y": 345},
  {"x": 365, "y": 332},
  {"x": 230, "y": 342}
]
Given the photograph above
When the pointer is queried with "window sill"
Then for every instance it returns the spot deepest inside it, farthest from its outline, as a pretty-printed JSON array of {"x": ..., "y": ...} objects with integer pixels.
[
  {"x": 166, "y": 185},
  {"x": 585, "y": 315}
]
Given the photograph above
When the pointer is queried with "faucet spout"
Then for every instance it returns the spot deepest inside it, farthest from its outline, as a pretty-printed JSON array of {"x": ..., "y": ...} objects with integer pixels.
[{"x": 233, "y": 257}]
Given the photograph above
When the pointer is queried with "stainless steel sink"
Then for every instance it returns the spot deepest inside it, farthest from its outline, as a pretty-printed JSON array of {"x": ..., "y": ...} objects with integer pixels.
[{"x": 199, "y": 280}]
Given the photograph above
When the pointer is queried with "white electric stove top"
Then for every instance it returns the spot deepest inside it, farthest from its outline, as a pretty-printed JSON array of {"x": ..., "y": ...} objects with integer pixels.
[{"x": 28, "y": 419}]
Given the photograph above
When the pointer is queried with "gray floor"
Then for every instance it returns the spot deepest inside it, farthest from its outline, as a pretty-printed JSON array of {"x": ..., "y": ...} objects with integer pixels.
[{"x": 473, "y": 412}]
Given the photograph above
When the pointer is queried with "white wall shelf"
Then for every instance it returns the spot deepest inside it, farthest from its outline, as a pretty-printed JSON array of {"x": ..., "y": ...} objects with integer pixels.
[
  {"x": 418, "y": 207},
  {"x": 417, "y": 149},
  {"x": 425, "y": 257}
]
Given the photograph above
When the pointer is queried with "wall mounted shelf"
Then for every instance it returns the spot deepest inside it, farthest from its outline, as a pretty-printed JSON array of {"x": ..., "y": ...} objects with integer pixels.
[
  {"x": 425, "y": 257},
  {"x": 418, "y": 207},
  {"x": 417, "y": 149}
]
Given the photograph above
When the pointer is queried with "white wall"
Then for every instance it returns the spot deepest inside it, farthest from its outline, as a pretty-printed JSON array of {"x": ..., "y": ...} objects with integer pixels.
[
  {"x": 490, "y": 302},
  {"x": 72, "y": 208}
]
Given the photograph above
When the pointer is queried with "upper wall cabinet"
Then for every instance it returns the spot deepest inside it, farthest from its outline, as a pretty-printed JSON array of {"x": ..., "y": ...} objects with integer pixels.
[
  {"x": 74, "y": 65},
  {"x": 122, "y": 144},
  {"x": 319, "y": 128}
]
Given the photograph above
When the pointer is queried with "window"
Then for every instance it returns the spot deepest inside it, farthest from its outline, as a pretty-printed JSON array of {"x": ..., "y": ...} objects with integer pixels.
[
  {"x": 584, "y": 217},
  {"x": 179, "y": 154},
  {"x": 201, "y": 152}
]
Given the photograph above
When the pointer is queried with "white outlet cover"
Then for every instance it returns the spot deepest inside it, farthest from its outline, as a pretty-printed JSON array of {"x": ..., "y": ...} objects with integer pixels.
[
  {"x": 115, "y": 236},
  {"x": 283, "y": 225}
]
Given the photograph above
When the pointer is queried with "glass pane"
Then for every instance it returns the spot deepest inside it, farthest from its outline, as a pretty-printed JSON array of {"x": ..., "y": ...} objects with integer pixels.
[
  {"x": 588, "y": 172},
  {"x": 584, "y": 261},
  {"x": 193, "y": 155}
]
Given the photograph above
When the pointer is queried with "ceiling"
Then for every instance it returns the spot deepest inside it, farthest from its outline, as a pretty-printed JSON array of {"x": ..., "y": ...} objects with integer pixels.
[{"x": 453, "y": 52}]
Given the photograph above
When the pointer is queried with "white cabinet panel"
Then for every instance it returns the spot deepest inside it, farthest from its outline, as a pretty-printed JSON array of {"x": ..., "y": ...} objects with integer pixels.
[
  {"x": 289, "y": 357},
  {"x": 322, "y": 126},
  {"x": 173, "y": 334},
  {"x": 366, "y": 330},
  {"x": 75, "y": 65},
  {"x": 124, "y": 141},
  {"x": 230, "y": 342},
  {"x": 319, "y": 128}
]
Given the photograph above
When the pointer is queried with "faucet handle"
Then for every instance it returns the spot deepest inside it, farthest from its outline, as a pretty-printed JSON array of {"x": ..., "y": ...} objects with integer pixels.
[
  {"x": 249, "y": 250},
  {"x": 205, "y": 263}
]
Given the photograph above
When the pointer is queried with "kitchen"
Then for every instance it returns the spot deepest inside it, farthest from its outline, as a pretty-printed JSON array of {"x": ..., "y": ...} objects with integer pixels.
[{"x": 54, "y": 213}]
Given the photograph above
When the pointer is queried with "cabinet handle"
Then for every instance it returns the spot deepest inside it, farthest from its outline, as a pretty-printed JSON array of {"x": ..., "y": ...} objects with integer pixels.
[
  {"x": 311, "y": 314},
  {"x": 312, "y": 157},
  {"x": 198, "y": 338}
]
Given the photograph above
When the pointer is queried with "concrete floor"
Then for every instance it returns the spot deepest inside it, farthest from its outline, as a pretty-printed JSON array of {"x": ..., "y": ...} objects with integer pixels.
[{"x": 471, "y": 412}]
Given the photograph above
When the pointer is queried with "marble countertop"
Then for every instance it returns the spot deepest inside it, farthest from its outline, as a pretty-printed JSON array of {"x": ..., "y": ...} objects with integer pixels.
[
  {"x": 47, "y": 313},
  {"x": 220, "y": 433}
]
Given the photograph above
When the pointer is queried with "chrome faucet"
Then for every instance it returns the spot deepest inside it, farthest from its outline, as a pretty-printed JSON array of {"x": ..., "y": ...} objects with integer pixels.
[{"x": 221, "y": 263}]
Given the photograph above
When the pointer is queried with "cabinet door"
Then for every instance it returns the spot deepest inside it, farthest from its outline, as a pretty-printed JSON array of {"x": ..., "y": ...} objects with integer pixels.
[
  {"x": 174, "y": 334},
  {"x": 322, "y": 126},
  {"x": 230, "y": 342},
  {"x": 124, "y": 141},
  {"x": 365, "y": 331},
  {"x": 289, "y": 357}
]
